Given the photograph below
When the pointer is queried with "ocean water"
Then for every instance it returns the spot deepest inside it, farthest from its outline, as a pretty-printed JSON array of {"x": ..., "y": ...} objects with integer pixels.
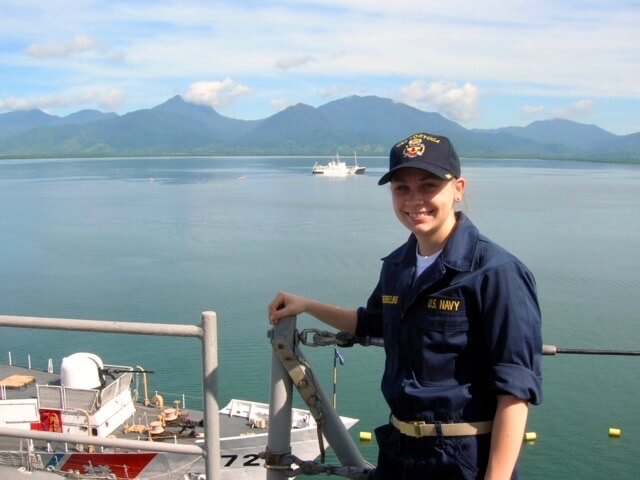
[{"x": 163, "y": 239}]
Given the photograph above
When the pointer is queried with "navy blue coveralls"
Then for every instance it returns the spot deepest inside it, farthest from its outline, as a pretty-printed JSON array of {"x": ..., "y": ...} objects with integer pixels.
[{"x": 466, "y": 330}]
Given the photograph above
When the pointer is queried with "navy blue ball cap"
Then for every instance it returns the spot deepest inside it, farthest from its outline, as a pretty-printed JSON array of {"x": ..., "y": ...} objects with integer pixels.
[{"x": 432, "y": 153}]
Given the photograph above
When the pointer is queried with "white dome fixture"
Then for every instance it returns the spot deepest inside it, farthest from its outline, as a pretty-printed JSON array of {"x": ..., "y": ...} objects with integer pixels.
[{"x": 81, "y": 370}]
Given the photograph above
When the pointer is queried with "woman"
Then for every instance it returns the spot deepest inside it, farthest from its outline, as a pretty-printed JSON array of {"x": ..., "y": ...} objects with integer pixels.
[{"x": 461, "y": 326}]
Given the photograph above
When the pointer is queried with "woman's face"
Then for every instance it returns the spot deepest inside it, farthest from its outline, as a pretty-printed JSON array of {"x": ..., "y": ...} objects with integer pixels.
[{"x": 425, "y": 204}]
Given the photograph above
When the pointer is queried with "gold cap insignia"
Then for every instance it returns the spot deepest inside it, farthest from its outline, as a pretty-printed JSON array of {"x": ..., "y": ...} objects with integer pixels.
[{"x": 414, "y": 148}]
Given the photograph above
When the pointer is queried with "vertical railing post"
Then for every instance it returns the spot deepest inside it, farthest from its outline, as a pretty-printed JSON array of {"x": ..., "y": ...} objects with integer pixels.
[
  {"x": 210, "y": 392},
  {"x": 280, "y": 403}
]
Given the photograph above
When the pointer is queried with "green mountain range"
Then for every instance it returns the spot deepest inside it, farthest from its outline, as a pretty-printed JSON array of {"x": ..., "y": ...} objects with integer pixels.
[{"x": 368, "y": 125}]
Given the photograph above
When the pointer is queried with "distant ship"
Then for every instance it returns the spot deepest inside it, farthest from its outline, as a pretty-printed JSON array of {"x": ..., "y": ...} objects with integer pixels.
[{"x": 338, "y": 168}]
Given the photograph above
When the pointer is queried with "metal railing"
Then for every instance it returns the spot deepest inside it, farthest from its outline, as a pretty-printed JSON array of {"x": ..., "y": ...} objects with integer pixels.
[
  {"x": 288, "y": 368},
  {"x": 206, "y": 332}
]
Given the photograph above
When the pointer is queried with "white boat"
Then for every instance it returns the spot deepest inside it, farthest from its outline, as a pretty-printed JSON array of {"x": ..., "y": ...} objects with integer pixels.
[
  {"x": 338, "y": 168},
  {"x": 94, "y": 399}
]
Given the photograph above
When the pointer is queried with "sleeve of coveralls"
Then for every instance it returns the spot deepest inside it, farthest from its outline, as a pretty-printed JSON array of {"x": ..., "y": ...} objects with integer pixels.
[
  {"x": 370, "y": 317},
  {"x": 513, "y": 331}
]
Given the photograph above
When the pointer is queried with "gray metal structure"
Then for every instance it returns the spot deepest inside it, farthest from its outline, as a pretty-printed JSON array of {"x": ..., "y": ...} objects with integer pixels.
[
  {"x": 206, "y": 332},
  {"x": 289, "y": 367}
]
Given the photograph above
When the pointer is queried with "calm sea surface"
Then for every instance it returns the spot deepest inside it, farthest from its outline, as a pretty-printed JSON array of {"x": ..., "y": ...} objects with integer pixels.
[{"x": 163, "y": 239}]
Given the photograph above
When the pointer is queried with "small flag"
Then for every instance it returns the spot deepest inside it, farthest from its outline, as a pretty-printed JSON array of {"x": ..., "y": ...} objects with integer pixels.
[{"x": 339, "y": 357}]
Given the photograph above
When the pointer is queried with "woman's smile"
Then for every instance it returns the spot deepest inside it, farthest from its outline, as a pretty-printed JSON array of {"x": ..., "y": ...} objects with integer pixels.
[
  {"x": 419, "y": 215},
  {"x": 424, "y": 204}
]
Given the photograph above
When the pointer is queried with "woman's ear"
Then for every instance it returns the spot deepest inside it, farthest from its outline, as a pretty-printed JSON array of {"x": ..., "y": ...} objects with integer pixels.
[{"x": 459, "y": 185}]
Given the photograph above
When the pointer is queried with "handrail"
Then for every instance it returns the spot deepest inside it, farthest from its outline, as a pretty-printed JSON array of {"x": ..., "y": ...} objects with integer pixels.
[
  {"x": 101, "y": 441},
  {"x": 206, "y": 332},
  {"x": 104, "y": 326}
]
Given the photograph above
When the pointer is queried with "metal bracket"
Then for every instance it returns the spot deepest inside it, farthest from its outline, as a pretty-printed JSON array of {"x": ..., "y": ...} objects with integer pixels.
[
  {"x": 299, "y": 372},
  {"x": 277, "y": 461}
]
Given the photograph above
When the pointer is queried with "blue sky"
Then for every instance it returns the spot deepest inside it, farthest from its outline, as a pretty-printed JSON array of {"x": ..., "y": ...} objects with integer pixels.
[{"x": 483, "y": 64}]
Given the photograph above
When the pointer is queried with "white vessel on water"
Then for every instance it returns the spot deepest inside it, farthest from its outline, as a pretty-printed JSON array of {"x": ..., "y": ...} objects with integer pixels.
[
  {"x": 338, "y": 168},
  {"x": 94, "y": 399}
]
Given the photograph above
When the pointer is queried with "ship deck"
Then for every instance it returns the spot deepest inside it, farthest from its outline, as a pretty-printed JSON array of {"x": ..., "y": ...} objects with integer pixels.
[{"x": 230, "y": 425}]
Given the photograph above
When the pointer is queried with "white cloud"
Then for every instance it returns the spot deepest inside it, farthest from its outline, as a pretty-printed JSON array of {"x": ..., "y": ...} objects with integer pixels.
[
  {"x": 216, "y": 94},
  {"x": 110, "y": 100},
  {"x": 13, "y": 103},
  {"x": 280, "y": 104},
  {"x": 533, "y": 110},
  {"x": 79, "y": 44},
  {"x": 294, "y": 61},
  {"x": 330, "y": 92},
  {"x": 294, "y": 49},
  {"x": 580, "y": 109},
  {"x": 104, "y": 99},
  {"x": 116, "y": 56},
  {"x": 457, "y": 103}
]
